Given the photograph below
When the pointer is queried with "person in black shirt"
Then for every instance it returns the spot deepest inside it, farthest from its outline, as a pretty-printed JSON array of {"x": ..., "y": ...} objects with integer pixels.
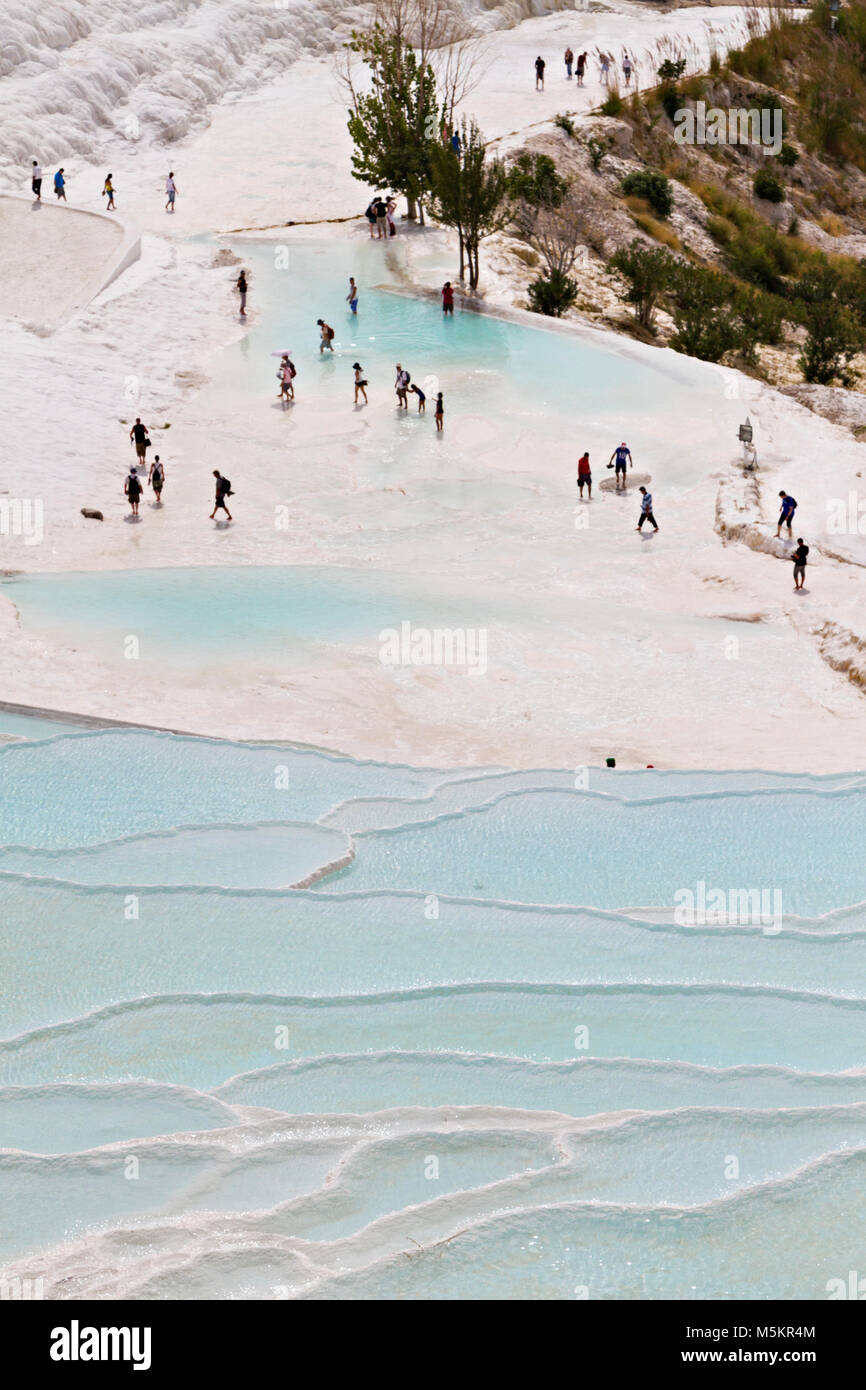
[
  {"x": 799, "y": 558},
  {"x": 539, "y": 73},
  {"x": 223, "y": 490}
]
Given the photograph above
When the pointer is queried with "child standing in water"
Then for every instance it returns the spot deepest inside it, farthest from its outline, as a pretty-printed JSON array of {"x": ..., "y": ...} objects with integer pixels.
[{"x": 440, "y": 412}]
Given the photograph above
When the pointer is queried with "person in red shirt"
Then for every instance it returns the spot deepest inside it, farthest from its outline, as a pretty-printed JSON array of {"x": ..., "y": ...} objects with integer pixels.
[
  {"x": 584, "y": 474},
  {"x": 447, "y": 298}
]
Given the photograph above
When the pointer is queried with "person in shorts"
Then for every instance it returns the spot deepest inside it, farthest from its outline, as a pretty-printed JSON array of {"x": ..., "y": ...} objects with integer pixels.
[
  {"x": 242, "y": 291},
  {"x": 132, "y": 489},
  {"x": 170, "y": 192},
  {"x": 360, "y": 382},
  {"x": 401, "y": 386},
  {"x": 621, "y": 459},
  {"x": 786, "y": 515},
  {"x": 138, "y": 435},
  {"x": 800, "y": 558},
  {"x": 223, "y": 490},
  {"x": 584, "y": 474}
]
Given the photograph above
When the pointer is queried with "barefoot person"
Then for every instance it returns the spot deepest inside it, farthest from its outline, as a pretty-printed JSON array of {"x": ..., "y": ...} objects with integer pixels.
[
  {"x": 800, "y": 557},
  {"x": 440, "y": 412},
  {"x": 36, "y": 181},
  {"x": 621, "y": 457},
  {"x": 223, "y": 490},
  {"x": 352, "y": 296},
  {"x": 584, "y": 474},
  {"x": 401, "y": 386},
  {"x": 242, "y": 291},
  {"x": 448, "y": 298},
  {"x": 138, "y": 434},
  {"x": 327, "y": 338},
  {"x": 156, "y": 478},
  {"x": 581, "y": 68},
  {"x": 786, "y": 516},
  {"x": 646, "y": 510},
  {"x": 569, "y": 62},
  {"x": 286, "y": 375},
  {"x": 422, "y": 399},
  {"x": 132, "y": 489},
  {"x": 60, "y": 186},
  {"x": 360, "y": 382},
  {"x": 170, "y": 192},
  {"x": 108, "y": 192}
]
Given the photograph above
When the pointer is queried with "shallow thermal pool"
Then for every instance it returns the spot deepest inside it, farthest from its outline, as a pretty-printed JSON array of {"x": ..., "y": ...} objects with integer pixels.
[{"x": 555, "y": 1086}]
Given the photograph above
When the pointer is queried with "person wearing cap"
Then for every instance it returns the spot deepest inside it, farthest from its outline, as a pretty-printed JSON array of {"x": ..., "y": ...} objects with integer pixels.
[{"x": 622, "y": 457}]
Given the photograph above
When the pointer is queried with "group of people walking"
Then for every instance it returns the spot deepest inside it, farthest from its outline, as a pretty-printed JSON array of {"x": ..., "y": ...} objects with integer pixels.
[
  {"x": 576, "y": 67},
  {"x": 134, "y": 485},
  {"x": 107, "y": 187}
]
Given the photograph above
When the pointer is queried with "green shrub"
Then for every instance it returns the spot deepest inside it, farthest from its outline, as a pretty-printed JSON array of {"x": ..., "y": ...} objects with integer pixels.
[
  {"x": 596, "y": 151},
  {"x": 552, "y": 293},
  {"x": 671, "y": 70},
  {"x": 612, "y": 105},
  {"x": 768, "y": 187},
  {"x": 650, "y": 273},
  {"x": 788, "y": 156},
  {"x": 647, "y": 183},
  {"x": 533, "y": 178},
  {"x": 671, "y": 101},
  {"x": 565, "y": 123}
]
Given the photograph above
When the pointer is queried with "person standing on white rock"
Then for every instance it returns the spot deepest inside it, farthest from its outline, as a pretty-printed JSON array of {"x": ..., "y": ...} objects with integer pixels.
[
  {"x": 36, "y": 181},
  {"x": 170, "y": 192}
]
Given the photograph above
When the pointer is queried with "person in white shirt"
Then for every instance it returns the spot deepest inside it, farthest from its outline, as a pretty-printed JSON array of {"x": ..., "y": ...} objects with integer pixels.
[
  {"x": 36, "y": 181},
  {"x": 170, "y": 193},
  {"x": 401, "y": 386}
]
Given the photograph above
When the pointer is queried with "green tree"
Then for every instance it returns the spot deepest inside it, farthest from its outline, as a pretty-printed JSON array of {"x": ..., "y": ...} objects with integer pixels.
[
  {"x": 704, "y": 319},
  {"x": 469, "y": 194},
  {"x": 655, "y": 187},
  {"x": 649, "y": 272},
  {"x": 833, "y": 335},
  {"x": 395, "y": 123},
  {"x": 533, "y": 180}
]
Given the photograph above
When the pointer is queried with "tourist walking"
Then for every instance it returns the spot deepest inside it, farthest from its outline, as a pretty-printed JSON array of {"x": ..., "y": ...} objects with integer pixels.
[
  {"x": 242, "y": 291},
  {"x": 440, "y": 411},
  {"x": 223, "y": 490},
  {"x": 327, "y": 339},
  {"x": 36, "y": 181},
  {"x": 286, "y": 375},
  {"x": 584, "y": 475},
  {"x": 447, "y": 298},
  {"x": 646, "y": 510},
  {"x": 604, "y": 68},
  {"x": 401, "y": 386},
  {"x": 422, "y": 399},
  {"x": 108, "y": 192},
  {"x": 138, "y": 435},
  {"x": 800, "y": 558},
  {"x": 581, "y": 68},
  {"x": 539, "y": 73},
  {"x": 352, "y": 296},
  {"x": 360, "y": 382},
  {"x": 569, "y": 61},
  {"x": 156, "y": 478},
  {"x": 60, "y": 186},
  {"x": 621, "y": 458},
  {"x": 786, "y": 516},
  {"x": 626, "y": 69},
  {"x": 132, "y": 489},
  {"x": 170, "y": 192},
  {"x": 390, "y": 209}
]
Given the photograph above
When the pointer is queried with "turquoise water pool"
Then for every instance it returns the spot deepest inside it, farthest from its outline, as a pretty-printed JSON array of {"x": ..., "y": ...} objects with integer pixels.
[{"x": 553, "y": 1086}]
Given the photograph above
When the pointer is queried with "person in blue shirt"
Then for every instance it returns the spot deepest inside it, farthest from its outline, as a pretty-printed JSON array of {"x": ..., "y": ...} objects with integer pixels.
[
  {"x": 60, "y": 185},
  {"x": 623, "y": 459},
  {"x": 786, "y": 516}
]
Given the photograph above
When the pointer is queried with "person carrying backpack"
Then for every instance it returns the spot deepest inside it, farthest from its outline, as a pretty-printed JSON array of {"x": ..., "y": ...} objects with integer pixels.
[
  {"x": 156, "y": 478},
  {"x": 223, "y": 490},
  {"x": 327, "y": 340},
  {"x": 132, "y": 489}
]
